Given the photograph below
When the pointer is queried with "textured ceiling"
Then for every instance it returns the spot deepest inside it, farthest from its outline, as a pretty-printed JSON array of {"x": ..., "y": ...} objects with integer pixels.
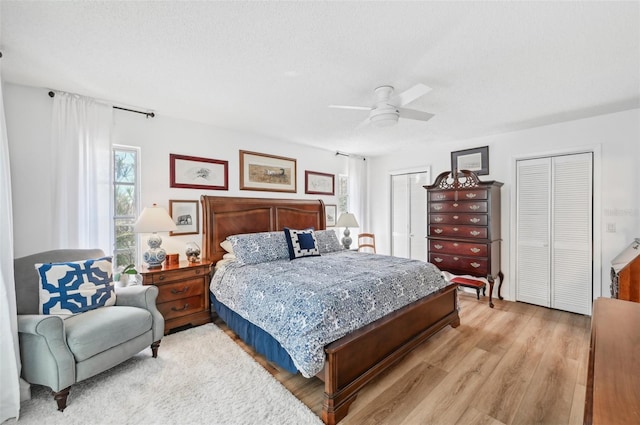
[{"x": 272, "y": 68}]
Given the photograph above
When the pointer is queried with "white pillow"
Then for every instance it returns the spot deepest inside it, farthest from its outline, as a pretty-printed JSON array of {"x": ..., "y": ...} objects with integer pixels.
[{"x": 226, "y": 245}]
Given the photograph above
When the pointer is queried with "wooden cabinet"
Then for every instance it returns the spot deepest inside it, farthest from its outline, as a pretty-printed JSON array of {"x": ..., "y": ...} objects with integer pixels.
[
  {"x": 464, "y": 226},
  {"x": 184, "y": 293},
  {"x": 613, "y": 381}
]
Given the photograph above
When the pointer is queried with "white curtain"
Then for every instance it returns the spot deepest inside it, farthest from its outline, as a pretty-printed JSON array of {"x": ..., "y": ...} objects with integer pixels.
[
  {"x": 81, "y": 141},
  {"x": 9, "y": 352},
  {"x": 359, "y": 192}
]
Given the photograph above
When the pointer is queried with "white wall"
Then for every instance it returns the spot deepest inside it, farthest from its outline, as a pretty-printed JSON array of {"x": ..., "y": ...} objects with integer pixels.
[
  {"x": 28, "y": 113},
  {"x": 614, "y": 137}
]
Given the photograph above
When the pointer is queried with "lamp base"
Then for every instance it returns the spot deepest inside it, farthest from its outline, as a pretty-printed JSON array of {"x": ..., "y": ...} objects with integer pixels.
[
  {"x": 346, "y": 240},
  {"x": 155, "y": 255}
]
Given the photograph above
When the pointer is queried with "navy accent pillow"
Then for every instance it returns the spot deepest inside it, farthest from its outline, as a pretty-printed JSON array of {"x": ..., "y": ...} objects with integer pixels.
[{"x": 301, "y": 243}]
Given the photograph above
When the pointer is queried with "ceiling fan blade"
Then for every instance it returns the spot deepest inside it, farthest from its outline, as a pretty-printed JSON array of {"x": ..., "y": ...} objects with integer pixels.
[
  {"x": 413, "y": 114},
  {"x": 410, "y": 95},
  {"x": 361, "y": 108}
]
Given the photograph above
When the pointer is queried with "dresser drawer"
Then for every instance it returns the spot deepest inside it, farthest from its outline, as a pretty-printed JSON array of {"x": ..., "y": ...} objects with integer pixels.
[
  {"x": 459, "y": 248},
  {"x": 182, "y": 307},
  {"x": 450, "y": 195},
  {"x": 459, "y": 231},
  {"x": 458, "y": 207},
  {"x": 470, "y": 219},
  {"x": 173, "y": 275},
  {"x": 460, "y": 264},
  {"x": 183, "y": 289}
]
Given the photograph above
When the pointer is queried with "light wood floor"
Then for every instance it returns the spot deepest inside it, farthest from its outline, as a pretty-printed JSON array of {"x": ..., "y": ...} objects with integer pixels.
[{"x": 513, "y": 364}]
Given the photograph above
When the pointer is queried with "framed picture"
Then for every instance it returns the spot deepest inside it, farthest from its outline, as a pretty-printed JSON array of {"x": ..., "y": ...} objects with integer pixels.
[
  {"x": 331, "y": 211},
  {"x": 476, "y": 160},
  {"x": 185, "y": 215},
  {"x": 191, "y": 172},
  {"x": 318, "y": 183},
  {"x": 259, "y": 171}
]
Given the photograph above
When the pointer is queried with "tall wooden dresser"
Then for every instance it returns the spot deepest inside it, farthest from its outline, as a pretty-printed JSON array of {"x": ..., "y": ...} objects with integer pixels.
[{"x": 464, "y": 226}]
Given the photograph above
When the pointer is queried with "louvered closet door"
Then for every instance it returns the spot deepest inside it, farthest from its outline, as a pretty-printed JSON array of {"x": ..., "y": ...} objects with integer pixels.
[
  {"x": 554, "y": 232},
  {"x": 408, "y": 212},
  {"x": 533, "y": 231},
  {"x": 572, "y": 233}
]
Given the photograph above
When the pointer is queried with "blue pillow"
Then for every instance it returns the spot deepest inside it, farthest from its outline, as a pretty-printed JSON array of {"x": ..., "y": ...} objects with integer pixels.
[
  {"x": 74, "y": 287},
  {"x": 301, "y": 243}
]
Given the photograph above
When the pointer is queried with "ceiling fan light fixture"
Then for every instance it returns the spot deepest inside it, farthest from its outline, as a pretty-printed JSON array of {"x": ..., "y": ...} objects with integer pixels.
[{"x": 384, "y": 118}]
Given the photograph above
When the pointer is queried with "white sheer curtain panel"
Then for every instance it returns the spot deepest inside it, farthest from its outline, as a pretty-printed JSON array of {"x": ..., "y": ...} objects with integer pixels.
[
  {"x": 9, "y": 351},
  {"x": 81, "y": 141},
  {"x": 358, "y": 191}
]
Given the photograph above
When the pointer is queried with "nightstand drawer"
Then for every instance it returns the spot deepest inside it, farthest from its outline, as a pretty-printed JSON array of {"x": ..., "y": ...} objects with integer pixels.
[
  {"x": 181, "y": 307},
  {"x": 173, "y": 275},
  {"x": 178, "y": 290}
]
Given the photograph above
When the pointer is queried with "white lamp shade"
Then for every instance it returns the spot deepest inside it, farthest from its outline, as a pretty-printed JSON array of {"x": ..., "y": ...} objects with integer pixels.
[
  {"x": 154, "y": 219},
  {"x": 347, "y": 220}
]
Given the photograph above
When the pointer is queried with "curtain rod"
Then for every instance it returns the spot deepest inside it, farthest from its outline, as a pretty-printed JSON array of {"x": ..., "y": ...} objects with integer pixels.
[
  {"x": 349, "y": 155},
  {"x": 147, "y": 114}
]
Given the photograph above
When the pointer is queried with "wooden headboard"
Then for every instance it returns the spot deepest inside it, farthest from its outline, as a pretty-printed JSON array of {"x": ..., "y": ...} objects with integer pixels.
[{"x": 224, "y": 216}]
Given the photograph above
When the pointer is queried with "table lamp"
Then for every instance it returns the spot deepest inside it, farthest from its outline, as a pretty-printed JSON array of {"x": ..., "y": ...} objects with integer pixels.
[
  {"x": 347, "y": 220},
  {"x": 152, "y": 220}
]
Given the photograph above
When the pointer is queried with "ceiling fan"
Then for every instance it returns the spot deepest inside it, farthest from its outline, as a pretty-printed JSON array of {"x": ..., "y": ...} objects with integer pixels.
[{"x": 387, "y": 109}]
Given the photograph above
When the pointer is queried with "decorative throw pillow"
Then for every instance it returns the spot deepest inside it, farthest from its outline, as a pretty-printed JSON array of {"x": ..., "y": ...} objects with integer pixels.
[
  {"x": 327, "y": 241},
  {"x": 301, "y": 243},
  {"x": 74, "y": 287},
  {"x": 226, "y": 245},
  {"x": 254, "y": 248}
]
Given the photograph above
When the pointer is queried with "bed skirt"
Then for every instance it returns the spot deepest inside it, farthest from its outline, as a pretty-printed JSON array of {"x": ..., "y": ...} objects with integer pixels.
[{"x": 255, "y": 336}]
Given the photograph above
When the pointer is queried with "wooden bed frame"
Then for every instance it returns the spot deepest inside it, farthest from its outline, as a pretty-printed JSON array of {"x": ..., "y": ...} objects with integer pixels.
[{"x": 354, "y": 360}]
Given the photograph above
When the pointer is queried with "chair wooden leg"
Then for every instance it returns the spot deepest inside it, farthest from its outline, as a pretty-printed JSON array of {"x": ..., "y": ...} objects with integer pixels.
[
  {"x": 478, "y": 293},
  {"x": 61, "y": 398},
  {"x": 154, "y": 348}
]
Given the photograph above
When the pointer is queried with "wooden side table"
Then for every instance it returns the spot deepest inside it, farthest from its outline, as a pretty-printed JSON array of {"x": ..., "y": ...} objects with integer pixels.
[{"x": 184, "y": 293}]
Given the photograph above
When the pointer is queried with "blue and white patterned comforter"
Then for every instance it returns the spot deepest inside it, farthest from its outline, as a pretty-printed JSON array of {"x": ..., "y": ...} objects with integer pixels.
[{"x": 307, "y": 303}]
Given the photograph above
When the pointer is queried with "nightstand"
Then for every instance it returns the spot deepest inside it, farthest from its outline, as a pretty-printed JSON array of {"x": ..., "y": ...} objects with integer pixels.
[{"x": 184, "y": 293}]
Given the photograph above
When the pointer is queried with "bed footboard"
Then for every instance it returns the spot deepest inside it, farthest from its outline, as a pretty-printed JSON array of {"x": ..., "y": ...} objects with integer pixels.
[{"x": 357, "y": 358}]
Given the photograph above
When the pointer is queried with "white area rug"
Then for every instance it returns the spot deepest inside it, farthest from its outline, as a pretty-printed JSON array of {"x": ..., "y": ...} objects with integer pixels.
[{"x": 200, "y": 377}]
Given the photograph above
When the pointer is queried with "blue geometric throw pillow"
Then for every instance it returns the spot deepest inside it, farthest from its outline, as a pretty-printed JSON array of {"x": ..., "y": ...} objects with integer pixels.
[
  {"x": 74, "y": 287},
  {"x": 301, "y": 243}
]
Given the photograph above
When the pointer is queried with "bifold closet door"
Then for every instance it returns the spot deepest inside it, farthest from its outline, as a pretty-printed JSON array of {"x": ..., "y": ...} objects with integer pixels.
[
  {"x": 408, "y": 215},
  {"x": 555, "y": 232}
]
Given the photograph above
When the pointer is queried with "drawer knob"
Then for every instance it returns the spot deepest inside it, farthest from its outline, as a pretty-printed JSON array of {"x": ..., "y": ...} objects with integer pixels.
[
  {"x": 438, "y": 231},
  {"x": 437, "y": 246},
  {"x": 184, "y": 307},
  {"x": 456, "y": 244},
  {"x": 474, "y": 220},
  {"x": 456, "y": 204},
  {"x": 475, "y": 265},
  {"x": 456, "y": 258},
  {"x": 440, "y": 197},
  {"x": 437, "y": 207},
  {"x": 475, "y": 250},
  {"x": 455, "y": 229},
  {"x": 474, "y": 233},
  {"x": 198, "y": 271},
  {"x": 181, "y": 291},
  {"x": 474, "y": 207},
  {"x": 455, "y": 217},
  {"x": 471, "y": 195},
  {"x": 437, "y": 219},
  {"x": 438, "y": 260},
  {"x": 161, "y": 277}
]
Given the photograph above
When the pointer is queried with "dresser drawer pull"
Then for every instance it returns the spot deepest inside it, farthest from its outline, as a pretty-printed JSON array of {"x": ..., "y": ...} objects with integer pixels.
[
  {"x": 456, "y": 258},
  {"x": 455, "y": 217},
  {"x": 437, "y": 246},
  {"x": 181, "y": 291},
  {"x": 456, "y": 244},
  {"x": 437, "y": 219},
  {"x": 437, "y": 207},
  {"x": 456, "y": 204},
  {"x": 474, "y": 220},
  {"x": 455, "y": 229},
  {"x": 198, "y": 271},
  {"x": 471, "y": 195},
  {"x": 440, "y": 196},
  {"x": 438, "y": 231},
  {"x": 474, "y": 207},
  {"x": 474, "y": 250},
  {"x": 160, "y": 277},
  {"x": 474, "y": 233},
  {"x": 184, "y": 307},
  {"x": 475, "y": 265},
  {"x": 438, "y": 260}
]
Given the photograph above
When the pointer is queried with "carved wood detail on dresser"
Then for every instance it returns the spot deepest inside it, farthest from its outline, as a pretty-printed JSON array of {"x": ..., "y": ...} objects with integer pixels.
[
  {"x": 464, "y": 226},
  {"x": 183, "y": 297}
]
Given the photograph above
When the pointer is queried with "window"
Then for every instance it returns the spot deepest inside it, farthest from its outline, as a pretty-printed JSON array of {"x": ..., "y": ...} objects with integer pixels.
[{"x": 126, "y": 195}]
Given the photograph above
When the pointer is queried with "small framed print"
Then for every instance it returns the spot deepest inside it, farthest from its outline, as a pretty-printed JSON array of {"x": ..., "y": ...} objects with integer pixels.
[
  {"x": 260, "y": 171},
  {"x": 185, "y": 215},
  {"x": 192, "y": 172},
  {"x": 319, "y": 183},
  {"x": 476, "y": 160},
  {"x": 331, "y": 211}
]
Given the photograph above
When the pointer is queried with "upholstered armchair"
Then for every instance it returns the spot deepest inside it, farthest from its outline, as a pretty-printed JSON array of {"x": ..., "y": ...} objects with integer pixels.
[{"x": 60, "y": 350}]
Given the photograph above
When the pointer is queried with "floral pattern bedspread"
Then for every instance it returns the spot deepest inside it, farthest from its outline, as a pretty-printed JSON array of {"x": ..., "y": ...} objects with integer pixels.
[{"x": 307, "y": 303}]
